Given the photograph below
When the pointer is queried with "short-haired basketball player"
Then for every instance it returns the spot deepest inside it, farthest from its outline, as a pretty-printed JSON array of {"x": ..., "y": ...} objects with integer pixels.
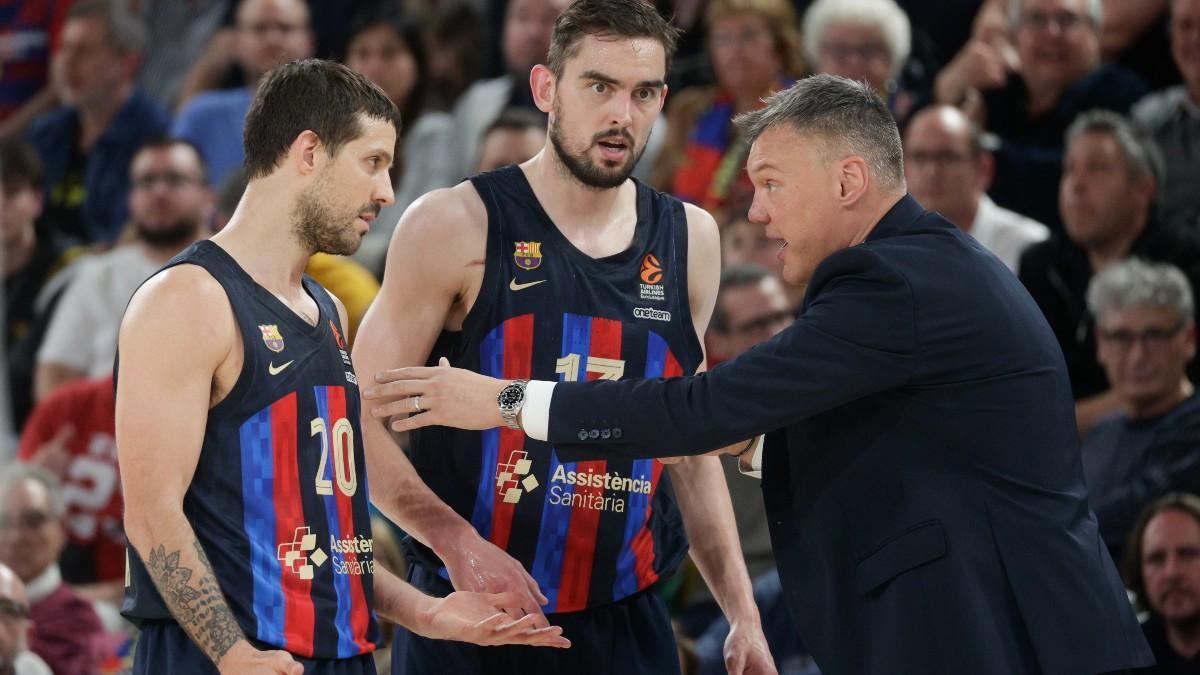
[
  {"x": 561, "y": 268},
  {"x": 238, "y": 418}
]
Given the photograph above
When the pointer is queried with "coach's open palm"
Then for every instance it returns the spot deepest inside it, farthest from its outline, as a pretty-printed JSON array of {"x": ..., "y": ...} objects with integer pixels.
[{"x": 476, "y": 618}]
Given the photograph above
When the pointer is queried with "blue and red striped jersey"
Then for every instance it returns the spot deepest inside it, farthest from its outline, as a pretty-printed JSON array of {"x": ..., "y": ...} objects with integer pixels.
[
  {"x": 590, "y": 532},
  {"x": 279, "y": 499}
]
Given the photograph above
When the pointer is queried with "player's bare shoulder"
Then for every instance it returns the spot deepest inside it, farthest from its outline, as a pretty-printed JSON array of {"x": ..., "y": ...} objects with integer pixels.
[
  {"x": 453, "y": 218},
  {"x": 181, "y": 315}
]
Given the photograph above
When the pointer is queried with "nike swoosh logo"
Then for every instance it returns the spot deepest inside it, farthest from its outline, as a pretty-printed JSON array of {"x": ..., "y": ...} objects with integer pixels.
[
  {"x": 275, "y": 371},
  {"x": 520, "y": 287}
]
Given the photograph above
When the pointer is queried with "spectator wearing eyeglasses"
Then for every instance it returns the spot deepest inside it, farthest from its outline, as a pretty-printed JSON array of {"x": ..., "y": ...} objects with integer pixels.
[
  {"x": 1110, "y": 175},
  {"x": 864, "y": 40},
  {"x": 67, "y": 632},
  {"x": 1029, "y": 98},
  {"x": 267, "y": 33},
  {"x": 170, "y": 207},
  {"x": 1146, "y": 336},
  {"x": 15, "y": 657},
  {"x": 949, "y": 171}
]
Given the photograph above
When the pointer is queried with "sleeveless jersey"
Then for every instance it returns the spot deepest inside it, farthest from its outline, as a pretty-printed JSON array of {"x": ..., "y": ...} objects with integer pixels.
[
  {"x": 279, "y": 498},
  {"x": 589, "y": 532}
]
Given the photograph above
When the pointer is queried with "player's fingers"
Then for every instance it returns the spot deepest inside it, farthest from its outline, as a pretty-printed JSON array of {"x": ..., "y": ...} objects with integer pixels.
[
  {"x": 504, "y": 599},
  {"x": 407, "y": 373},
  {"x": 443, "y": 362},
  {"x": 401, "y": 406},
  {"x": 534, "y": 589},
  {"x": 415, "y": 422},
  {"x": 395, "y": 389}
]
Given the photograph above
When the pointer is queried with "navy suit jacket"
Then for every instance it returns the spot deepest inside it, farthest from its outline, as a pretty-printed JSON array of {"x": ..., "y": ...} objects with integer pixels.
[{"x": 921, "y": 475}]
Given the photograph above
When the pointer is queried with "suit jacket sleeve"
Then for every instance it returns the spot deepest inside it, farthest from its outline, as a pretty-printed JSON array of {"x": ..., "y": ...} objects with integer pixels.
[{"x": 856, "y": 337}]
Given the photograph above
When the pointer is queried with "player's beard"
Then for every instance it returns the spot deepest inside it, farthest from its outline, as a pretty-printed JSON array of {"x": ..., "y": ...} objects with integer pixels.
[
  {"x": 580, "y": 164},
  {"x": 323, "y": 228}
]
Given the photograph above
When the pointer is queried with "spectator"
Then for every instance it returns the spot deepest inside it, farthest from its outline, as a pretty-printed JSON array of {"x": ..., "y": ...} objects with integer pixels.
[
  {"x": 745, "y": 242},
  {"x": 1173, "y": 119},
  {"x": 15, "y": 657},
  {"x": 183, "y": 30},
  {"x": 88, "y": 142},
  {"x": 1146, "y": 336},
  {"x": 949, "y": 171},
  {"x": 170, "y": 207},
  {"x": 751, "y": 308},
  {"x": 268, "y": 33},
  {"x": 1162, "y": 567},
  {"x": 866, "y": 40},
  {"x": 27, "y": 31},
  {"x": 1107, "y": 192},
  {"x": 755, "y": 49},
  {"x": 1060, "y": 76},
  {"x": 514, "y": 137},
  {"x": 36, "y": 269},
  {"x": 526, "y": 41},
  {"x": 67, "y": 632},
  {"x": 70, "y": 434},
  {"x": 453, "y": 34},
  {"x": 387, "y": 48}
]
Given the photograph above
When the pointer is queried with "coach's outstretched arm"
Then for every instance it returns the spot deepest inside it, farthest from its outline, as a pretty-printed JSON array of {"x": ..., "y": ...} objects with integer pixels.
[
  {"x": 856, "y": 337},
  {"x": 176, "y": 332}
]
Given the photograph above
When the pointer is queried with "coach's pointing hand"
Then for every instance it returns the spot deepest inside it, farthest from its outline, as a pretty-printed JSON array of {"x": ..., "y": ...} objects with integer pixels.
[{"x": 444, "y": 396}]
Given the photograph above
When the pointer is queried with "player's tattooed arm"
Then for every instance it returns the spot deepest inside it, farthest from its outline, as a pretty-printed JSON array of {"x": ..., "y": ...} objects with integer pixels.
[{"x": 195, "y": 599}]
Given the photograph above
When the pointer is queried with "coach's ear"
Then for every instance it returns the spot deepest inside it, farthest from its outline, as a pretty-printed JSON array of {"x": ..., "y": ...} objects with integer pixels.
[
  {"x": 306, "y": 152},
  {"x": 542, "y": 82}
]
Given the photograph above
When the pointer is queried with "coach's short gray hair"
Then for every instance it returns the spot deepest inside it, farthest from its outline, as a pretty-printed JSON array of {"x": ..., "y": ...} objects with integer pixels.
[
  {"x": 1142, "y": 156},
  {"x": 1135, "y": 283},
  {"x": 882, "y": 15},
  {"x": 18, "y": 473},
  {"x": 1095, "y": 11},
  {"x": 847, "y": 116}
]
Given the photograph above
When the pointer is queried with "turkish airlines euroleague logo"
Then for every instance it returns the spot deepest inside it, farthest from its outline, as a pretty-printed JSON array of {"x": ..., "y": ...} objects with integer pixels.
[
  {"x": 651, "y": 269},
  {"x": 651, "y": 276}
]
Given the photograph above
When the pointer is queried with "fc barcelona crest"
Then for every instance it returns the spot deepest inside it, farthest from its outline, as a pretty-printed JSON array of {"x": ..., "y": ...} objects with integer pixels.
[
  {"x": 528, "y": 254},
  {"x": 271, "y": 337}
]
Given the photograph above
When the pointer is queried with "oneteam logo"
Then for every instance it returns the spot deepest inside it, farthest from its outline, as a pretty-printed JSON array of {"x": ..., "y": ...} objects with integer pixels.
[{"x": 508, "y": 477}]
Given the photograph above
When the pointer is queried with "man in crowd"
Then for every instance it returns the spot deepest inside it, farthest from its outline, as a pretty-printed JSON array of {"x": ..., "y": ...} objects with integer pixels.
[
  {"x": 88, "y": 143},
  {"x": 15, "y": 657},
  {"x": 949, "y": 171},
  {"x": 1162, "y": 567},
  {"x": 170, "y": 206},
  {"x": 32, "y": 535},
  {"x": 1110, "y": 175},
  {"x": 1146, "y": 336}
]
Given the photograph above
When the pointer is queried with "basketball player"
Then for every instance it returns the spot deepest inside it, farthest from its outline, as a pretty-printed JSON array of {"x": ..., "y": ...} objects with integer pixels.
[
  {"x": 238, "y": 417},
  {"x": 561, "y": 268}
]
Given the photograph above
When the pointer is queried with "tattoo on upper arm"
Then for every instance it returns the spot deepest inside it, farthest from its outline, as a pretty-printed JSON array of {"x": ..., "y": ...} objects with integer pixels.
[{"x": 199, "y": 607}]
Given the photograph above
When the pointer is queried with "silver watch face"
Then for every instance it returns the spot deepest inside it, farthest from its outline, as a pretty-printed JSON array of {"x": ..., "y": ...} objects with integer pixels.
[{"x": 511, "y": 396}]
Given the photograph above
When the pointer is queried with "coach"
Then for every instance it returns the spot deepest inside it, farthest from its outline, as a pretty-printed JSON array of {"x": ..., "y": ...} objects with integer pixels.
[{"x": 921, "y": 470}]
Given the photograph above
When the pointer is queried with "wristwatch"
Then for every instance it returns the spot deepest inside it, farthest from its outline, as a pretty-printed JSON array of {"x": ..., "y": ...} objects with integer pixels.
[{"x": 510, "y": 400}]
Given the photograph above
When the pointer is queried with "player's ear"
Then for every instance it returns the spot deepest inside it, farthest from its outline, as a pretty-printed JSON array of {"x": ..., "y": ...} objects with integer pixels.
[
  {"x": 543, "y": 83},
  {"x": 303, "y": 152}
]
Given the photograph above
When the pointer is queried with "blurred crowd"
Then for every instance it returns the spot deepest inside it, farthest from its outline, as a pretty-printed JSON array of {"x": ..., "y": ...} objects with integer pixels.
[{"x": 1063, "y": 135}]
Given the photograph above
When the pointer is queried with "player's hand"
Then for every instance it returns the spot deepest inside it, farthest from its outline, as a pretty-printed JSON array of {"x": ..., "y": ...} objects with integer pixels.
[
  {"x": 244, "y": 659},
  {"x": 475, "y": 564},
  {"x": 476, "y": 618},
  {"x": 746, "y": 651},
  {"x": 444, "y": 396}
]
